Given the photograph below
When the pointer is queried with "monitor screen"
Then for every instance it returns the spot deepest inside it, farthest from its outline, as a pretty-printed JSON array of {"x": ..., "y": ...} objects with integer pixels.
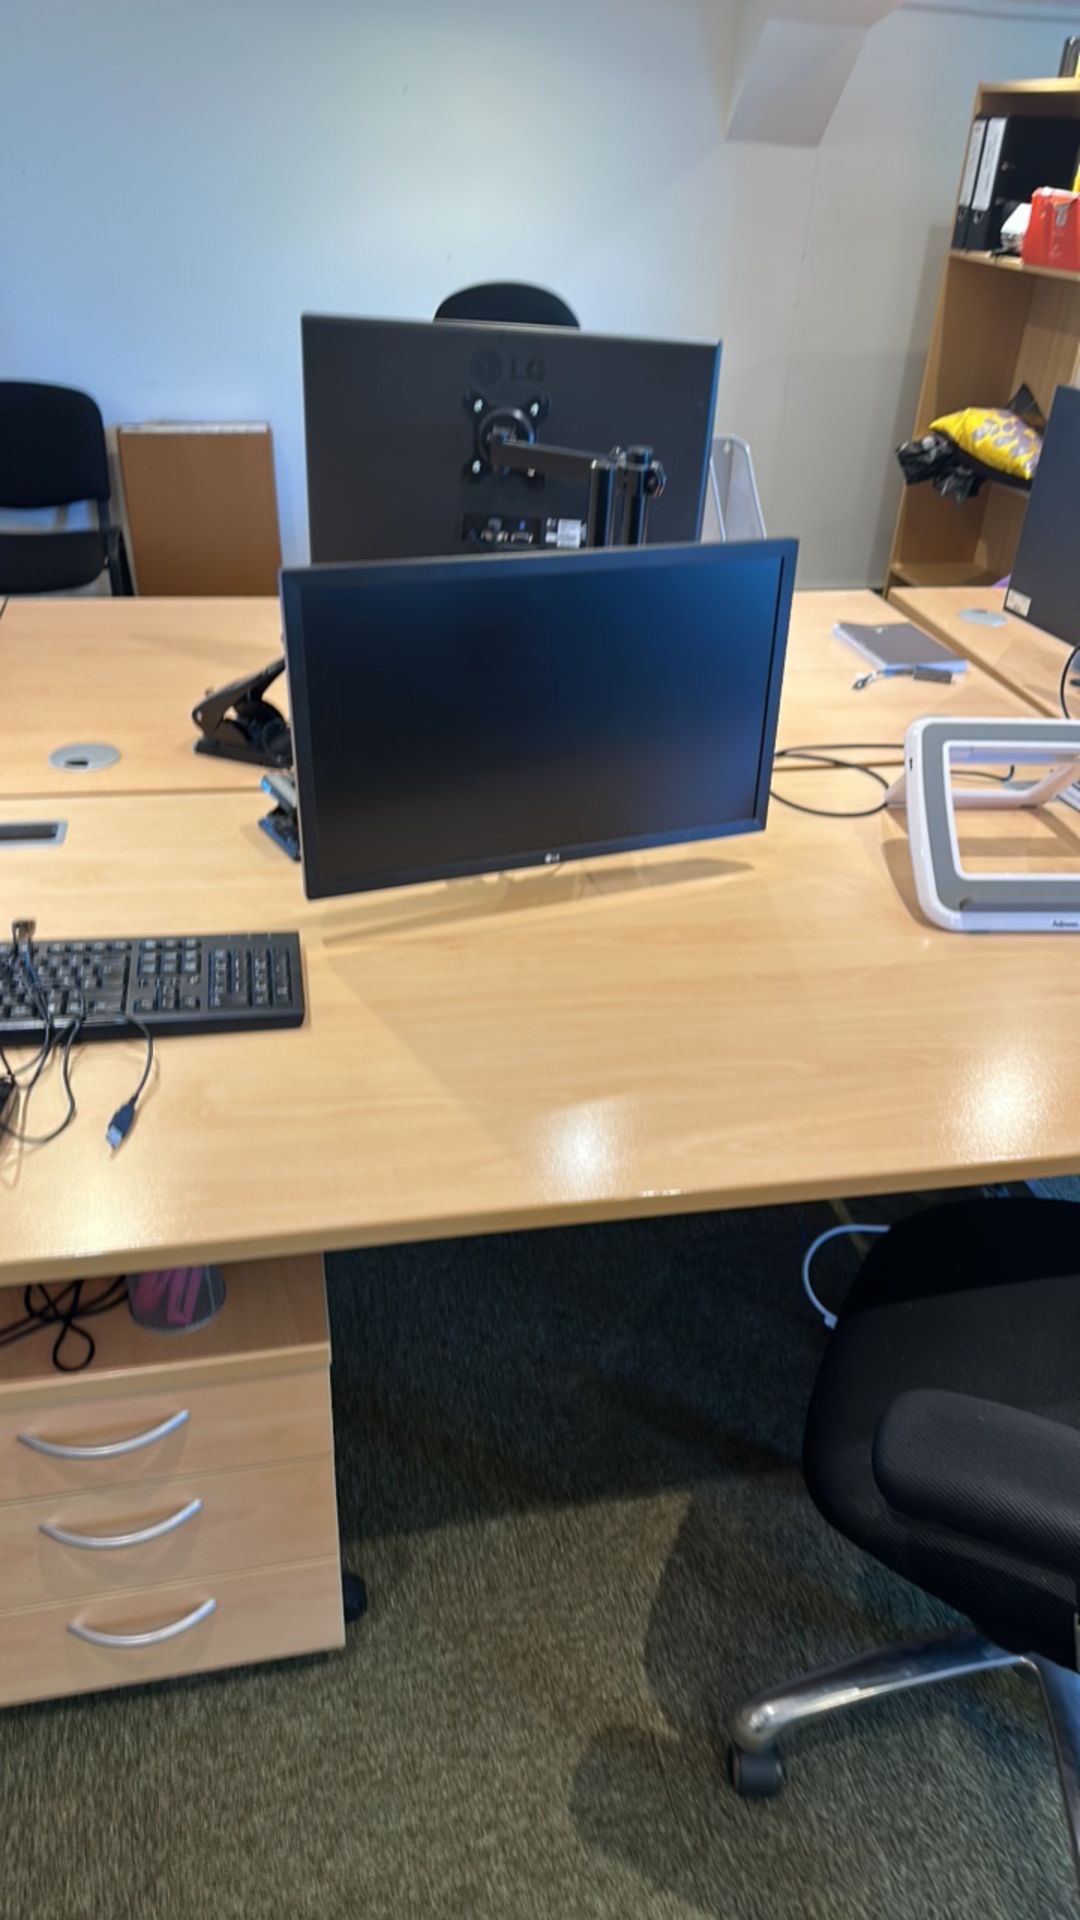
[
  {"x": 399, "y": 416},
  {"x": 465, "y": 716},
  {"x": 1045, "y": 584}
]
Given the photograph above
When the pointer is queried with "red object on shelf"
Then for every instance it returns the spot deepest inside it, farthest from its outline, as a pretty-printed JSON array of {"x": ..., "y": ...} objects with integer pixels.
[{"x": 1053, "y": 235}]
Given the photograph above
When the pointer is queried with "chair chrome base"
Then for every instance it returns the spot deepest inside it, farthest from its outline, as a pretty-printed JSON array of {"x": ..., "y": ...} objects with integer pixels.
[{"x": 764, "y": 1719}]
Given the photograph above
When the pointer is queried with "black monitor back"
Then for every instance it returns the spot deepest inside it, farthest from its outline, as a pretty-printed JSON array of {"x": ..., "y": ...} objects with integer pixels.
[
  {"x": 395, "y": 412},
  {"x": 1045, "y": 585}
]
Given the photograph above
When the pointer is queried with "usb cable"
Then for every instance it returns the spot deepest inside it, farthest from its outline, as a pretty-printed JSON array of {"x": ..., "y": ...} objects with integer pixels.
[{"x": 942, "y": 675}]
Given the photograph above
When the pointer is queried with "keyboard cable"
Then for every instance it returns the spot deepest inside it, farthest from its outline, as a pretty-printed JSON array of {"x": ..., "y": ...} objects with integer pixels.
[{"x": 124, "y": 1118}]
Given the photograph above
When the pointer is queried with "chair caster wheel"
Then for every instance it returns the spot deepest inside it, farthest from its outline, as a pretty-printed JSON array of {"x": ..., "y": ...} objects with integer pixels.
[
  {"x": 755, "y": 1776},
  {"x": 353, "y": 1596}
]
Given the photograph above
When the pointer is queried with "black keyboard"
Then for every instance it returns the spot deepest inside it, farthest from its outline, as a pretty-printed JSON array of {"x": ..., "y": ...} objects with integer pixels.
[{"x": 198, "y": 983}]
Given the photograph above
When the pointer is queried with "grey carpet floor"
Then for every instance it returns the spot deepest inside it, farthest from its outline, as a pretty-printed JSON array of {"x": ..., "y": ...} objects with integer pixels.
[{"x": 568, "y": 1470}]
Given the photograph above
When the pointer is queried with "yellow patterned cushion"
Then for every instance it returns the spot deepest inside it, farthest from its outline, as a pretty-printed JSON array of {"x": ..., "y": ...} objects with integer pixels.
[{"x": 995, "y": 436}]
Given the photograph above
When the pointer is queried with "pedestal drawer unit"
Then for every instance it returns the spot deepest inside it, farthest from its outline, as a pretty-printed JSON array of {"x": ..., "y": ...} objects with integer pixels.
[{"x": 171, "y": 1508}]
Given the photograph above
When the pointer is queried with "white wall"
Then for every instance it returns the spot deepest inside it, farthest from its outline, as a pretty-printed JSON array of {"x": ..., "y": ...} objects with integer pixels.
[{"x": 179, "y": 181}]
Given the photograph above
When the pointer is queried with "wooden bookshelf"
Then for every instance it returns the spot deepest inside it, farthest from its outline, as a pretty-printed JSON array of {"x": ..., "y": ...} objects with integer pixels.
[
  {"x": 1009, "y": 263},
  {"x": 999, "y": 325}
]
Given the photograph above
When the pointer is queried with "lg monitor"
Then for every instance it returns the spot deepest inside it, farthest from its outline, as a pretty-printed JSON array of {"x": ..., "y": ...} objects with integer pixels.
[
  {"x": 1045, "y": 584},
  {"x": 403, "y": 419},
  {"x": 467, "y": 716}
]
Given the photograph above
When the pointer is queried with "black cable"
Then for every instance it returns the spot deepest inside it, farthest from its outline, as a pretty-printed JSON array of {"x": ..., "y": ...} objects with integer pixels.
[
  {"x": 834, "y": 765},
  {"x": 35, "y": 1066},
  {"x": 827, "y": 756},
  {"x": 842, "y": 746},
  {"x": 122, "y": 1120},
  {"x": 149, "y": 1062},
  {"x": 64, "y": 1310},
  {"x": 1065, "y": 672},
  {"x": 42, "y": 1139},
  {"x": 38, "y": 1065}
]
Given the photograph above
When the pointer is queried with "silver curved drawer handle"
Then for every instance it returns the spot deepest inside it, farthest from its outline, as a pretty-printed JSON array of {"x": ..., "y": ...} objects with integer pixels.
[
  {"x": 152, "y": 1639},
  {"x": 111, "y": 1448},
  {"x": 101, "y": 1542}
]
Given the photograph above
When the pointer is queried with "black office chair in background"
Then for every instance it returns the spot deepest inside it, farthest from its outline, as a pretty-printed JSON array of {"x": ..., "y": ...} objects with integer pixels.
[
  {"x": 52, "y": 454},
  {"x": 509, "y": 301},
  {"x": 943, "y": 1437}
]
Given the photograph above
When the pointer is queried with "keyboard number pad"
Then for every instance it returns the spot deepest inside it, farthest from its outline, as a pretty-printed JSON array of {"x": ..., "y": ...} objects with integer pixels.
[{"x": 169, "y": 979}]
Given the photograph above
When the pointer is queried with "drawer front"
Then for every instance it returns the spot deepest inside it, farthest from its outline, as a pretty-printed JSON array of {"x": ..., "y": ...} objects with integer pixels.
[
  {"x": 154, "y": 1435},
  {"x": 264, "y": 1614},
  {"x": 188, "y": 1526}
]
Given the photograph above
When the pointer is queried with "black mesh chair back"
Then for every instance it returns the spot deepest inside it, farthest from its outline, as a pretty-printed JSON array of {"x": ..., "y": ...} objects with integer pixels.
[
  {"x": 52, "y": 454},
  {"x": 509, "y": 301}
]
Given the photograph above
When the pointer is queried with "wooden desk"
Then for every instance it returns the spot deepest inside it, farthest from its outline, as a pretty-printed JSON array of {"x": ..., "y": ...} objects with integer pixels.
[
  {"x": 750, "y": 1020},
  {"x": 126, "y": 672},
  {"x": 1021, "y": 657}
]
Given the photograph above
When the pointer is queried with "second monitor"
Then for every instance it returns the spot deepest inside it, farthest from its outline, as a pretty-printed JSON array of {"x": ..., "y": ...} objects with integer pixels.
[
  {"x": 1045, "y": 584},
  {"x": 402, "y": 419}
]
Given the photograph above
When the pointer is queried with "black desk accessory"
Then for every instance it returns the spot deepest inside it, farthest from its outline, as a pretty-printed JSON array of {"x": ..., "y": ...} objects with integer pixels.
[
  {"x": 282, "y": 823},
  {"x": 1045, "y": 584},
  {"x": 237, "y": 723},
  {"x": 627, "y": 479}
]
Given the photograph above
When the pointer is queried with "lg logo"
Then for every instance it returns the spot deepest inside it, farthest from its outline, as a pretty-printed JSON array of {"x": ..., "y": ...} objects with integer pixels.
[
  {"x": 487, "y": 369},
  {"x": 485, "y": 366}
]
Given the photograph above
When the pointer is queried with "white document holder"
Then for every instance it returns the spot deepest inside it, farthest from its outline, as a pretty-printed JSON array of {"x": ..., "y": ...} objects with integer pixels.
[{"x": 949, "y": 895}]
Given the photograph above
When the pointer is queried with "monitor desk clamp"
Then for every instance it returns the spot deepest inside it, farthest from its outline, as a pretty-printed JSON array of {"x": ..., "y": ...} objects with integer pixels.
[
  {"x": 237, "y": 722},
  {"x": 282, "y": 823}
]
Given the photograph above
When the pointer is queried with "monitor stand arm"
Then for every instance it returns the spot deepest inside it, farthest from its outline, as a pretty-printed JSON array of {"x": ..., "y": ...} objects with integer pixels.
[
  {"x": 621, "y": 483},
  {"x": 237, "y": 723}
]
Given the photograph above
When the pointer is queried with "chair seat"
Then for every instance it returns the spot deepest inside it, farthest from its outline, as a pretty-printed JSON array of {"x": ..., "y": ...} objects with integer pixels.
[
  {"x": 50, "y": 562},
  {"x": 981, "y": 1297}
]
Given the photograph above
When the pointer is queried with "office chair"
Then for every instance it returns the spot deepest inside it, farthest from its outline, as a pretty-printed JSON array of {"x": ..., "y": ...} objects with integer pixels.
[
  {"x": 943, "y": 1437},
  {"x": 510, "y": 301},
  {"x": 52, "y": 454}
]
